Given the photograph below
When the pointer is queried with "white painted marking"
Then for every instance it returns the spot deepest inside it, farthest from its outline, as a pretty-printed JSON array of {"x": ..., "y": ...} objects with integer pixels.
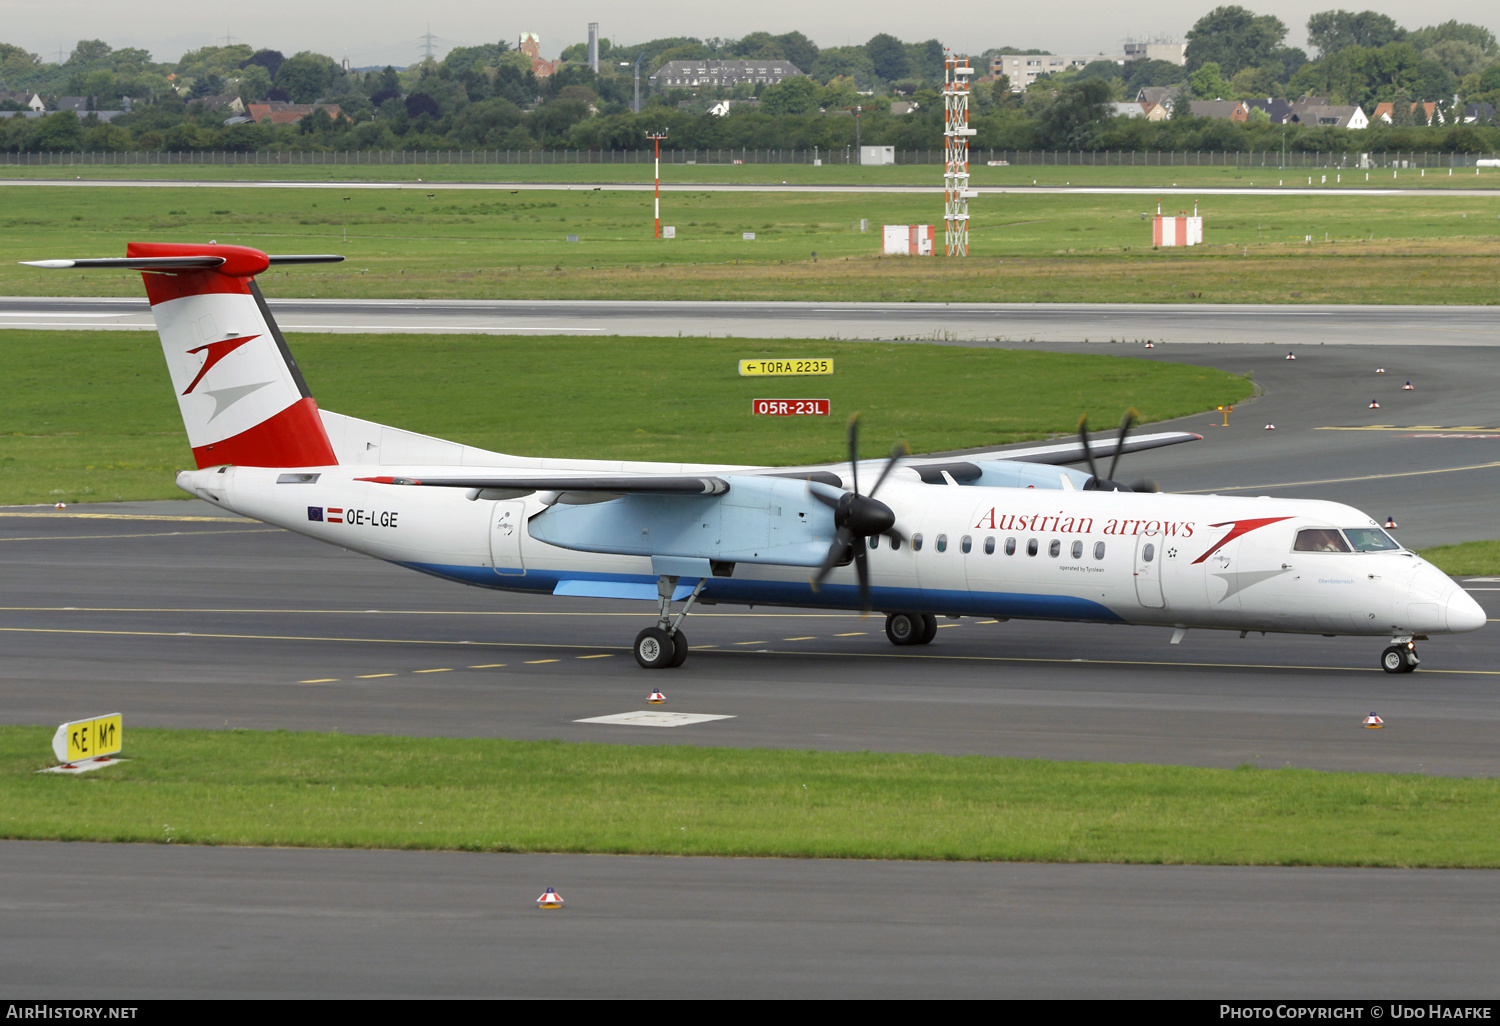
[
  {"x": 653, "y": 718},
  {"x": 85, "y": 766}
]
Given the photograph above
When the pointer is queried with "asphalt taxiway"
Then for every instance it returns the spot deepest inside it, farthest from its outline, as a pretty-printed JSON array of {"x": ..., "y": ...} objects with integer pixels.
[
  {"x": 1008, "y": 323},
  {"x": 182, "y": 616}
]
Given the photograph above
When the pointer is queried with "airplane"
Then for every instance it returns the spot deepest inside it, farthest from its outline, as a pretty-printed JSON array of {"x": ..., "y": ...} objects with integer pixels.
[{"x": 1005, "y": 534}]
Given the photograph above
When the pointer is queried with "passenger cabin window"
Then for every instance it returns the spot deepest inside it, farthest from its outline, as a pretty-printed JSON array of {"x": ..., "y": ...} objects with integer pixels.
[
  {"x": 916, "y": 543},
  {"x": 942, "y": 543},
  {"x": 1370, "y": 539},
  {"x": 874, "y": 541},
  {"x": 1010, "y": 546},
  {"x": 1078, "y": 550},
  {"x": 1055, "y": 549},
  {"x": 1320, "y": 539},
  {"x": 1030, "y": 546},
  {"x": 1098, "y": 550},
  {"x": 1148, "y": 552},
  {"x": 989, "y": 546},
  {"x": 966, "y": 544},
  {"x": 895, "y": 543}
]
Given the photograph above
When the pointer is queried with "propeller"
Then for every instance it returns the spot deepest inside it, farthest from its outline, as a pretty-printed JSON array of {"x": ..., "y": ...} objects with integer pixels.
[
  {"x": 1107, "y": 483},
  {"x": 856, "y": 517}
]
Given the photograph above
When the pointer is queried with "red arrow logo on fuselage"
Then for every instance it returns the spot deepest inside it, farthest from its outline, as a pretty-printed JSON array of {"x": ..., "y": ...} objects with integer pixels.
[
  {"x": 216, "y": 352},
  {"x": 1240, "y": 527}
]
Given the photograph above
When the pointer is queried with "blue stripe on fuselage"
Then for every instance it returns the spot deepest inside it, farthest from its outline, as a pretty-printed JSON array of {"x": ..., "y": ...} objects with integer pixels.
[{"x": 796, "y": 593}]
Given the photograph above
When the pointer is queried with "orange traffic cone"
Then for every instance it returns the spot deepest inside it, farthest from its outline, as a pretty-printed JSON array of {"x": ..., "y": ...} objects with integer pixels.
[
  {"x": 1374, "y": 722},
  {"x": 1374, "y": 405},
  {"x": 656, "y": 698},
  {"x": 1406, "y": 387},
  {"x": 549, "y": 899}
]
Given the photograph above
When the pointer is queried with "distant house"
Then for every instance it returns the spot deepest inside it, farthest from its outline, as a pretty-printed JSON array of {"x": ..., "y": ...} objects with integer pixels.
[
  {"x": 1231, "y": 110},
  {"x": 693, "y": 74},
  {"x": 1165, "y": 95},
  {"x": 77, "y": 104},
  {"x": 289, "y": 113},
  {"x": 1479, "y": 114},
  {"x": 900, "y": 107},
  {"x": 227, "y": 102},
  {"x": 1383, "y": 112},
  {"x": 723, "y": 107},
  {"x": 26, "y": 101},
  {"x": 530, "y": 45},
  {"x": 1154, "y": 111},
  {"x": 1333, "y": 117},
  {"x": 1279, "y": 111},
  {"x": 1129, "y": 109}
]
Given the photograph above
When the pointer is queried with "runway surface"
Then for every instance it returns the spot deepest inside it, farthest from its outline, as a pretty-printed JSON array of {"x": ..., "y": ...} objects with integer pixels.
[
  {"x": 670, "y": 186},
  {"x": 215, "y": 622},
  {"x": 1016, "y": 323},
  {"x": 234, "y": 923}
]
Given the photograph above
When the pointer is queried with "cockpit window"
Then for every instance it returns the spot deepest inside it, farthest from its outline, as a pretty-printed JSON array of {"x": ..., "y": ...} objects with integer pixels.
[
  {"x": 1320, "y": 539},
  {"x": 1371, "y": 539}
]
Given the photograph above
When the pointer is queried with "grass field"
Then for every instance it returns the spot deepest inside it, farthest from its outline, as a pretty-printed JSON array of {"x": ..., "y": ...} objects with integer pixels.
[
  {"x": 1265, "y": 175},
  {"x": 1032, "y": 248},
  {"x": 332, "y": 790},
  {"x": 1469, "y": 559},
  {"x": 89, "y": 416}
]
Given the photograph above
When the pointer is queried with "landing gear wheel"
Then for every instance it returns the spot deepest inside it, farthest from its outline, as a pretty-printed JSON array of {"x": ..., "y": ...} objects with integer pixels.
[
  {"x": 1399, "y": 659},
  {"x": 929, "y": 630},
  {"x": 679, "y": 649},
  {"x": 654, "y": 649},
  {"x": 905, "y": 628}
]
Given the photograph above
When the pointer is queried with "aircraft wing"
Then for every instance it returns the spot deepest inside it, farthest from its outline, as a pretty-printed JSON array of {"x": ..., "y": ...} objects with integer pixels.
[
  {"x": 1059, "y": 453},
  {"x": 614, "y": 484}
]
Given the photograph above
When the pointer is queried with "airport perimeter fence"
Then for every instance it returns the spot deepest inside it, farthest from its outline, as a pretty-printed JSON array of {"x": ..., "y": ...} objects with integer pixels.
[{"x": 1270, "y": 159}]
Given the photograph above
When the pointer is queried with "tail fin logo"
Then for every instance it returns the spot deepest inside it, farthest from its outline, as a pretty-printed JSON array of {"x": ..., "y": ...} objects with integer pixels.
[{"x": 216, "y": 351}]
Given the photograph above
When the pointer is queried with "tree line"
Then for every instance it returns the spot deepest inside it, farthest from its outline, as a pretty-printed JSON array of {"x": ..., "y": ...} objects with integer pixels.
[{"x": 487, "y": 96}]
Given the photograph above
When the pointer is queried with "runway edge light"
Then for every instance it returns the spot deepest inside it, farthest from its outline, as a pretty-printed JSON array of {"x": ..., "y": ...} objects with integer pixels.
[
  {"x": 1379, "y": 370},
  {"x": 61, "y": 505},
  {"x": 1374, "y": 722},
  {"x": 1390, "y": 522},
  {"x": 1291, "y": 356},
  {"x": 549, "y": 899},
  {"x": 656, "y": 698},
  {"x": 1374, "y": 405},
  {"x": 1270, "y": 427},
  {"x": 1406, "y": 387}
]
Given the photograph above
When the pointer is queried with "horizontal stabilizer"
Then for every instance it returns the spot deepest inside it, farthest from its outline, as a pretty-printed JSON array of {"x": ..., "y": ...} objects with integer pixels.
[
  {"x": 176, "y": 263},
  {"x": 623, "y": 484}
]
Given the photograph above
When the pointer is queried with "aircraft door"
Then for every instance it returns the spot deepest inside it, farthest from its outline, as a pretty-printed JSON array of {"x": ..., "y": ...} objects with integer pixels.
[
  {"x": 507, "y": 525},
  {"x": 1148, "y": 560}
]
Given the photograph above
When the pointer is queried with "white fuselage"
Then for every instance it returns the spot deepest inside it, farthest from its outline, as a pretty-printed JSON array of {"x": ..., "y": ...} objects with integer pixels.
[{"x": 1124, "y": 557}]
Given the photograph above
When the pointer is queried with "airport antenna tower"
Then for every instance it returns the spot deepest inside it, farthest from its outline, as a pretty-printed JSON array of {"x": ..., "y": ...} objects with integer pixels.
[{"x": 956, "y": 132}]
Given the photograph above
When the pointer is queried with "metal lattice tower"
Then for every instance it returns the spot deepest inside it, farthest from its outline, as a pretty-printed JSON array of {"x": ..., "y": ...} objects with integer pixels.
[{"x": 956, "y": 132}]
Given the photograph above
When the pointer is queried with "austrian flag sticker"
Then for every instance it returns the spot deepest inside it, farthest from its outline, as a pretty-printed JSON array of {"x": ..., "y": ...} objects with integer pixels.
[{"x": 335, "y": 514}]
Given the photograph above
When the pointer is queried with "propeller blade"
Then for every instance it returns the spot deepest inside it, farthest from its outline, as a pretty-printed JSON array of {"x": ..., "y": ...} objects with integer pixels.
[
  {"x": 854, "y": 449},
  {"x": 831, "y": 501},
  {"x": 862, "y": 567},
  {"x": 1125, "y": 426},
  {"x": 898, "y": 450},
  {"x": 1083, "y": 437},
  {"x": 838, "y": 552}
]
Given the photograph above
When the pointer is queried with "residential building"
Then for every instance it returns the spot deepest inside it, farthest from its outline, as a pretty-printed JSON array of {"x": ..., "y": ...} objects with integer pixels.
[
  {"x": 1331, "y": 116},
  {"x": 289, "y": 113},
  {"x": 1479, "y": 113},
  {"x": 695, "y": 74},
  {"x": 1166, "y": 96},
  {"x": 1155, "y": 111},
  {"x": 1176, "y": 53},
  {"x": 1022, "y": 68},
  {"x": 1383, "y": 112},
  {"x": 27, "y": 100},
  {"x": 76, "y": 104},
  {"x": 225, "y": 102},
  {"x": 531, "y": 46},
  {"x": 1279, "y": 111},
  {"x": 1129, "y": 109},
  {"x": 1232, "y": 110}
]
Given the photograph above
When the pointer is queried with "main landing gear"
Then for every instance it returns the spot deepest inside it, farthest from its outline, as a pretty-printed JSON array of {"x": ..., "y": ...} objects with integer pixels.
[
  {"x": 910, "y": 628},
  {"x": 665, "y": 646},
  {"x": 1401, "y": 656}
]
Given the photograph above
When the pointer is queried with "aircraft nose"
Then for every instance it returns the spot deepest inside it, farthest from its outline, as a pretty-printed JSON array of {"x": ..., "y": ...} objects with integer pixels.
[{"x": 1464, "y": 614}]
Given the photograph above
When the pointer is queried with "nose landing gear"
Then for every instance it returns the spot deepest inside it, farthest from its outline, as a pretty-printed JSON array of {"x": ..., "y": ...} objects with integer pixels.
[
  {"x": 1401, "y": 656},
  {"x": 910, "y": 628}
]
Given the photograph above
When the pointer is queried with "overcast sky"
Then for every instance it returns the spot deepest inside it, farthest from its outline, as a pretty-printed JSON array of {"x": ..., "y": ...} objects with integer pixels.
[{"x": 388, "y": 31}]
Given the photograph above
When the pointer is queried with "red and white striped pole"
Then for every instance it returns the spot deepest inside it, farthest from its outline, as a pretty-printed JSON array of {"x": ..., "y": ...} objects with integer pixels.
[{"x": 657, "y": 138}]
